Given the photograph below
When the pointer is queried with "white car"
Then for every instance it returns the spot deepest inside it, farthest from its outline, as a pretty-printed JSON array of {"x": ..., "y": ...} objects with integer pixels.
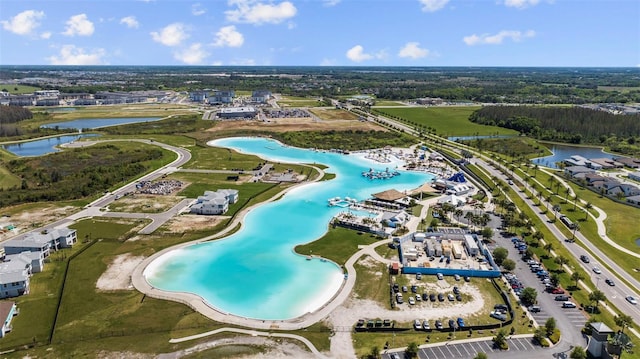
[
  {"x": 631, "y": 299},
  {"x": 412, "y": 300},
  {"x": 597, "y": 270}
]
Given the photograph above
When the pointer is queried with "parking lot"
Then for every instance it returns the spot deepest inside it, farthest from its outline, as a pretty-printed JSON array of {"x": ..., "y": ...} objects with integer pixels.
[{"x": 469, "y": 350}]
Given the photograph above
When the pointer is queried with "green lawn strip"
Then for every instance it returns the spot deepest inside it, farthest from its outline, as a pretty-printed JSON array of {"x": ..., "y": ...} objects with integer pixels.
[
  {"x": 387, "y": 103},
  {"x": 370, "y": 284},
  {"x": 8, "y": 180},
  {"x": 338, "y": 244},
  {"x": 301, "y": 103},
  {"x": 448, "y": 121}
]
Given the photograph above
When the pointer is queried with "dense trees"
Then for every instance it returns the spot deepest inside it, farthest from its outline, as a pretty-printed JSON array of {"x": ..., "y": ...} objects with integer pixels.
[
  {"x": 74, "y": 174},
  {"x": 9, "y": 117},
  {"x": 500, "y": 254},
  {"x": 528, "y": 296},
  {"x": 564, "y": 124}
]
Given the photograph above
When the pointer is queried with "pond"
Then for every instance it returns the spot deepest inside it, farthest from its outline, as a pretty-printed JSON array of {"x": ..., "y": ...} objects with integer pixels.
[
  {"x": 42, "y": 146},
  {"x": 254, "y": 272},
  {"x": 561, "y": 152},
  {"x": 92, "y": 123}
]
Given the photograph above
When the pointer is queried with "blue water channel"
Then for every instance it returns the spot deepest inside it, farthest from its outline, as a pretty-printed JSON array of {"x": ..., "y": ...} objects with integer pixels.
[
  {"x": 254, "y": 272},
  {"x": 561, "y": 152},
  {"x": 39, "y": 147},
  {"x": 43, "y": 146}
]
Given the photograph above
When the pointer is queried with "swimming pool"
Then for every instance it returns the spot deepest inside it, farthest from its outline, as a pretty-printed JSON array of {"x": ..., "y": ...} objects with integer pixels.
[{"x": 255, "y": 273}]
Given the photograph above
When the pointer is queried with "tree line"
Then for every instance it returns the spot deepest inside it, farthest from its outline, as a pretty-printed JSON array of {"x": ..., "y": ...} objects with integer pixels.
[
  {"x": 562, "y": 124},
  {"x": 9, "y": 117}
]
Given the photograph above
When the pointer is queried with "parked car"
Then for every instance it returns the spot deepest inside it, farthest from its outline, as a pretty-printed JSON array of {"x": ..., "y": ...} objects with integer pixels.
[
  {"x": 414, "y": 289},
  {"x": 497, "y": 315},
  {"x": 597, "y": 270},
  {"x": 441, "y": 297},
  {"x": 432, "y": 297},
  {"x": 610, "y": 282},
  {"x": 562, "y": 298},
  {"x": 456, "y": 290},
  {"x": 568, "y": 304},
  {"x": 417, "y": 325},
  {"x": 450, "y": 297},
  {"x": 425, "y": 325},
  {"x": 452, "y": 323},
  {"x": 467, "y": 278},
  {"x": 360, "y": 323},
  {"x": 460, "y": 322},
  {"x": 440, "y": 276},
  {"x": 419, "y": 276},
  {"x": 631, "y": 299},
  {"x": 584, "y": 258},
  {"x": 439, "y": 324},
  {"x": 395, "y": 356},
  {"x": 458, "y": 297},
  {"x": 557, "y": 291},
  {"x": 418, "y": 298},
  {"x": 405, "y": 289},
  {"x": 396, "y": 288},
  {"x": 501, "y": 307},
  {"x": 399, "y": 298},
  {"x": 425, "y": 297},
  {"x": 412, "y": 301},
  {"x": 456, "y": 277}
]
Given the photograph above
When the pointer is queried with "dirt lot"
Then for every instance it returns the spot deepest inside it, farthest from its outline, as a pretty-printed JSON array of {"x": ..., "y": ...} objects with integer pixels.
[
  {"x": 294, "y": 124},
  {"x": 334, "y": 114},
  {"x": 144, "y": 203},
  {"x": 27, "y": 218}
]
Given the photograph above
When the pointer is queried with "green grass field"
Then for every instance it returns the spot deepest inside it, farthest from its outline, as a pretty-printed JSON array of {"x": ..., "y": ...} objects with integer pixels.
[
  {"x": 447, "y": 121},
  {"x": 388, "y": 103},
  {"x": 18, "y": 89},
  {"x": 338, "y": 244}
]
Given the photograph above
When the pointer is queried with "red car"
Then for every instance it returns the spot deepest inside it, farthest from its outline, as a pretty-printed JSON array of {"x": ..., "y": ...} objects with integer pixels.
[{"x": 557, "y": 291}]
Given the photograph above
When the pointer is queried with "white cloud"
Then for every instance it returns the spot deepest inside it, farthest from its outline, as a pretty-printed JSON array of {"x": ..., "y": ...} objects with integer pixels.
[
  {"x": 433, "y": 5},
  {"x": 357, "y": 54},
  {"x": 256, "y": 12},
  {"x": 197, "y": 9},
  {"x": 228, "y": 36},
  {"x": 216, "y": 63},
  {"x": 192, "y": 55},
  {"x": 24, "y": 23},
  {"x": 171, "y": 35},
  {"x": 488, "y": 39},
  {"x": 329, "y": 3},
  {"x": 79, "y": 25},
  {"x": 45, "y": 35},
  {"x": 72, "y": 55},
  {"x": 521, "y": 4},
  {"x": 130, "y": 21},
  {"x": 412, "y": 50}
]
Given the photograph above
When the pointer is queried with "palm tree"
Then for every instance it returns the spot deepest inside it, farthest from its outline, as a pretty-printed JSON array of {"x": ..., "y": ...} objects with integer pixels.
[
  {"x": 575, "y": 199},
  {"x": 621, "y": 343},
  {"x": 623, "y": 321},
  {"x": 457, "y": 213},
  {"x": 596, "y": 296},
  {"x": 561, "y": 260},
  {"x": 576, "y": 277},
  {"x": 468, "y": 216},
  {"x": 587, "y": 207},
  {"x": 548, "y": 247}
]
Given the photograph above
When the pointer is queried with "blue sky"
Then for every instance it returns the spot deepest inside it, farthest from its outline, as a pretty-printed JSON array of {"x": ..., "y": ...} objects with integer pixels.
[{"x": 321, "y": 32}]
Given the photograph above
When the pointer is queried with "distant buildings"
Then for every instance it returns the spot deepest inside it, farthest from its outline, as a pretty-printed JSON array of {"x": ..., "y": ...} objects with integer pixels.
[{"x": 55, "y": 98}]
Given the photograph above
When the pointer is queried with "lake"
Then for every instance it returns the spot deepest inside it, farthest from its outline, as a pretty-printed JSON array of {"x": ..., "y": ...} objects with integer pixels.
[
  {"x": 255, "y": 272},
  {"x": 561, "y": 152},
  {"x": 92, "y": 123},
  {"x": 43, "y": 146}
]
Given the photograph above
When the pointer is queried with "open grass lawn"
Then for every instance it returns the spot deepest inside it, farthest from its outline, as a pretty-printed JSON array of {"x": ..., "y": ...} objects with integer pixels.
[
  {"x": 128, "y": 110},
  {"x": 7, "y": 179},
  {"x": 221, "y": 159},
  {"x": 388, "y": 103},
  {"x": 372, "y": 281},
  {"x": 338, "y": 244},
  {"x": 18, "y": 89},
  {"x": 334, "y": 114},
  {"x": 447, "y": 121}
]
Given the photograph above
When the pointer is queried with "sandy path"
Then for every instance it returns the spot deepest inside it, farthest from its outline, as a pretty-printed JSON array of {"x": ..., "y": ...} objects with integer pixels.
[{"x": 118, "y": 274}]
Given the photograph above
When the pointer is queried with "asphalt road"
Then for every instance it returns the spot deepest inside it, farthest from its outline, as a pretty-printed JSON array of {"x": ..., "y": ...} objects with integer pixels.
[{"x": 615, "y": 294}]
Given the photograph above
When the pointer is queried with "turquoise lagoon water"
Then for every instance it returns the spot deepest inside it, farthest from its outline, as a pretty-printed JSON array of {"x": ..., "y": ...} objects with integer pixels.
[
  {"x": 99, "y": 122},
  {"x": 42, "y": 146},
  {"x": 255, "y": 273}
]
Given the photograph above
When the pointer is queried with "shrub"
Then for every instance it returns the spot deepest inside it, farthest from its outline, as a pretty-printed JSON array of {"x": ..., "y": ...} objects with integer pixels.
[{"x": 555, "y": 337}]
